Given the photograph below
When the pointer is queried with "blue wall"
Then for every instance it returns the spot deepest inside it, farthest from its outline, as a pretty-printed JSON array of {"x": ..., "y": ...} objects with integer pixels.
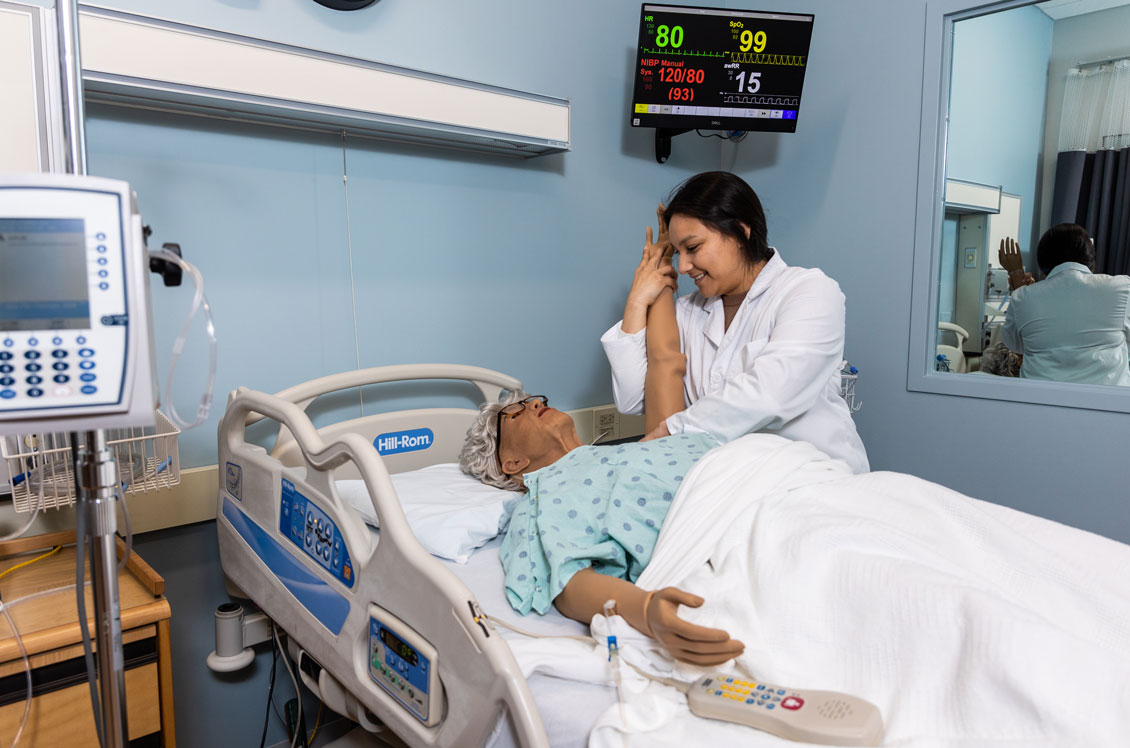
[
  {"x": 515, "y": 265},
  {"x": 841, "y": 196},
  {"x": 521, "y": 265},
  {"x": 456, "y": 257},
  {"x": 998, "y": 96}
]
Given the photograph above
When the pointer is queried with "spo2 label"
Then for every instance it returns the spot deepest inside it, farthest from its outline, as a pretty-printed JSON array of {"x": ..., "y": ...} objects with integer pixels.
[{"x": 412, "y": 440}]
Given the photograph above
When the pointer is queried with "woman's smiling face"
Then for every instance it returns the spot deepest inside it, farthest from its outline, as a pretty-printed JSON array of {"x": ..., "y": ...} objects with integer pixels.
[{"x": 713, "y": 260}]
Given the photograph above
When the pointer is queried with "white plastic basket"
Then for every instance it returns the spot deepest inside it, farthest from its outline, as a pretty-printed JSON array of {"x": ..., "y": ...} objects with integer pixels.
[
  {"x": 849, "y": 375},
  {"x": 40, "y": 464}
]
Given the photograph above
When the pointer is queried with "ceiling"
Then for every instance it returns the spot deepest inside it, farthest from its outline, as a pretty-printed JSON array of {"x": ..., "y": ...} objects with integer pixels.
[{"x": 1065, "y": 8}]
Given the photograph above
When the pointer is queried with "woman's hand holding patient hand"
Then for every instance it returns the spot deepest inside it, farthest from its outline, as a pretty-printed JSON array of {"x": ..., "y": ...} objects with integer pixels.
[{"x": 654, "y": 274}]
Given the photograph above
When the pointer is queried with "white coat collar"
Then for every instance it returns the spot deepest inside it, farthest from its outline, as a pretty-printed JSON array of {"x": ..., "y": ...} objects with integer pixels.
[
  {"x": 716, "y": 325},
  {"x": 1063, "y": 267}
]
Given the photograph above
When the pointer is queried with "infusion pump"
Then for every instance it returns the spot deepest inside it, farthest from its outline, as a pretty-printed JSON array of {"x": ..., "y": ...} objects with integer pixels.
[{"x": 76, "y": 342}]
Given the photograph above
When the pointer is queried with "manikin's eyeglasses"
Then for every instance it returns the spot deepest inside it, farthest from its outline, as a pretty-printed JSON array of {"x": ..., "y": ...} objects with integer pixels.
[{"x": 511, "y": 411}]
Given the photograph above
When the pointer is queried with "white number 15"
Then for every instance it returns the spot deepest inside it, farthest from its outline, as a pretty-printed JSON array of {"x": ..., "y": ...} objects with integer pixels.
[{"x": 754, "y": 82}]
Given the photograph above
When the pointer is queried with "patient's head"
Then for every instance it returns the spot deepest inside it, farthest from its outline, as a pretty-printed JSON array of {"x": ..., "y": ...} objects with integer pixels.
[
  {"x": 519, "y": 434},
  {"x": 1065, "y": 242}
]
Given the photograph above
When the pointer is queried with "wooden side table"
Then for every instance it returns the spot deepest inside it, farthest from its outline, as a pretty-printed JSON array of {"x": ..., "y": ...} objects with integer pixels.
[{"x": 61, "y": 715}]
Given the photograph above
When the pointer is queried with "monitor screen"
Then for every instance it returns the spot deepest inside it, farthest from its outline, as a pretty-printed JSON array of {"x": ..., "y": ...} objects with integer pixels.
[
  {"x": 719, "y": 69},
  {"x": 43, "y": 274}
]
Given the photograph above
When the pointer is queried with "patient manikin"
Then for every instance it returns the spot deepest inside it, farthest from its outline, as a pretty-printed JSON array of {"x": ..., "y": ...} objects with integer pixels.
[{"x": 592, "y": 514}]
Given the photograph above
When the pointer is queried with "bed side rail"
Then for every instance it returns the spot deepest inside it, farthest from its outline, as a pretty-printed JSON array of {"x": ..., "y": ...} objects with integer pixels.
[
  {"x": 477, "y": 667},
  {"x": 490, "y": 383},
  {"x": 448, "y": 425}
]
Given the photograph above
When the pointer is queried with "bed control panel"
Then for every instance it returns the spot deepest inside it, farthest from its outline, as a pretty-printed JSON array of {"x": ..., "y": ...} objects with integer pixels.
[
  {"x": 824, "y": 717},
  {"x": 311, "y": 530},
  {"x": 404, "y": 664}
]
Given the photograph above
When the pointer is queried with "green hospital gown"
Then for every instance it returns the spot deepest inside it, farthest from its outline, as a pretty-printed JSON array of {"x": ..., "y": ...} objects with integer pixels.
[{"x": 596, "y": 506}]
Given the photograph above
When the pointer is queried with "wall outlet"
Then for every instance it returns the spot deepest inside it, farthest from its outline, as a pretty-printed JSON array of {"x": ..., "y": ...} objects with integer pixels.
[
  {"x": 606, "y": 420},
  {"x": 589, "y": 424}
]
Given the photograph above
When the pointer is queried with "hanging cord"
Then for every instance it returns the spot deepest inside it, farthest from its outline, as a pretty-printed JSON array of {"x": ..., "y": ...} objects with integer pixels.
[
  {"x": 677, "y": 685},
  {"x": 80, "y": 602},
  {"x": 129, "y": 530},
  {"x": 35, "y": 513},
  {"x": 270, "y": 695},
  {"x": 317, "y": 721},
  {"x": 294, "y": 680},
  {"x": 4, "y": 606},
  {"x": 199, "y": 302},
  {"x": 40, "y": 557},
  {"x": 734, "y": 136}
]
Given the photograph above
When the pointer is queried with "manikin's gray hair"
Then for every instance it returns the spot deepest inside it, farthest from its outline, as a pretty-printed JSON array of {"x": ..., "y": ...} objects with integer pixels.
[{"x": 479, "y": 456}]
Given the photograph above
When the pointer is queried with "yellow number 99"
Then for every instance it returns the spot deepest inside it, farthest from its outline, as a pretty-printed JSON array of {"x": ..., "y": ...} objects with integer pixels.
[
  {"x": 747, "y": 40},
  {"x": 759, "y": 40}
]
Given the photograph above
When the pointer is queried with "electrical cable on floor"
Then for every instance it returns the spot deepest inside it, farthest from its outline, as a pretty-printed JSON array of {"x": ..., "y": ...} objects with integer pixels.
[
  {"x": 40, "y": 557},
  {"x": 294, "y": 680},
  {"x": 270, "y": 696}
]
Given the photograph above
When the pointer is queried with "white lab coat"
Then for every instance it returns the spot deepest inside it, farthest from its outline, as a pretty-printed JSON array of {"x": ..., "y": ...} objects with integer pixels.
[
  {"x": 775, "y": 370},
  {"x": 1073, "y": 326}
]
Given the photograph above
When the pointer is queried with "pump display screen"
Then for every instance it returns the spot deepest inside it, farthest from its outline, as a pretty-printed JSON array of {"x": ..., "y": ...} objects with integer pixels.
[
  {"x": 393, "y": 642},
  {"x": 720, "y": 69},
  {"x": 43, "y": 274}
]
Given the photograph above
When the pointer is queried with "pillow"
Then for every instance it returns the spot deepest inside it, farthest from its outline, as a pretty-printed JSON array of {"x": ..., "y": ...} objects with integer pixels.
[{"x": 450, "y": 513}]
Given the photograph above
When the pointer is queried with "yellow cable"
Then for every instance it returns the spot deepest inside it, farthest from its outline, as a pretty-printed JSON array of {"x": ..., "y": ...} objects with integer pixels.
[
  {"x": 318, "y": 721},
  {"x": 51, "y": 552}
]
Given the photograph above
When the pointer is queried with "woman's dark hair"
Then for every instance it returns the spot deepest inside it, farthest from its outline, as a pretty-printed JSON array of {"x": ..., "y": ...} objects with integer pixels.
[
  {"x": 1065, "y": 242},
  {"x": 725, "y": 203}
]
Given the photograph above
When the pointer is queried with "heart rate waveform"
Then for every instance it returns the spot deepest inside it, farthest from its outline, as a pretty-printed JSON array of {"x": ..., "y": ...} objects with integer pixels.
[{"x": 686, "y": 53}]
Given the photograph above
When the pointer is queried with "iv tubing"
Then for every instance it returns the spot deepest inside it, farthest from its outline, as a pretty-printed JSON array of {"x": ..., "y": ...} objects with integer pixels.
[{"x": 199, "y": 302}]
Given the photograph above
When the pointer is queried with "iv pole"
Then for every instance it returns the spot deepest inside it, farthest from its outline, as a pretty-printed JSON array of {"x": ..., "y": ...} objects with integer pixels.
[{"x": 96, "y": 476}]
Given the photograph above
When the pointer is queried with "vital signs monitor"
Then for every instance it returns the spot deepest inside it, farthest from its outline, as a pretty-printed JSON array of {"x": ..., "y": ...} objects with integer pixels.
[
  {"x": 719, "y": 68},
  {"x": 76, "y": 348}
]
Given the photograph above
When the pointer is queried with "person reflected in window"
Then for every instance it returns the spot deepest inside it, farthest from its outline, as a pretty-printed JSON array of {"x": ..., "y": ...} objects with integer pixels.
[{"x": 1074, "y": 325}]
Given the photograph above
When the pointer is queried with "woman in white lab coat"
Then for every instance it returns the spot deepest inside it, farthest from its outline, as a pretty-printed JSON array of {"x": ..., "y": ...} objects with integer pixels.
[{"x": 763, "y": 341}]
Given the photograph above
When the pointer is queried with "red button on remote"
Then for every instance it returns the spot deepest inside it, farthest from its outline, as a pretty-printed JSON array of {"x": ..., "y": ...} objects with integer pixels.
[{"x": 793, "y": 703}]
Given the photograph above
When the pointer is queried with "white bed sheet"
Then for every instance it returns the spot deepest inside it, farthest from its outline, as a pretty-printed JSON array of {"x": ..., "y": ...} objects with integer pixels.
[{"x": 568, "y": 708}]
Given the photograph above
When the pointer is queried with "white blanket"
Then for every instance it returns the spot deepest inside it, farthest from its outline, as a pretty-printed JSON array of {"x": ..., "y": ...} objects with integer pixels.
[{"x": 966, "y": 623}]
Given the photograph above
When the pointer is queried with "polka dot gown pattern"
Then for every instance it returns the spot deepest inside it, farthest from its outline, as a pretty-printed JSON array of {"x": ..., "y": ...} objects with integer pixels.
[{"x": 596, "y": 506}]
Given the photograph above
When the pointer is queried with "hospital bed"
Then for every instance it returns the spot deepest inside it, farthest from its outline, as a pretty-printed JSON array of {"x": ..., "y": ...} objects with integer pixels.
[
  {"x": 960, "y": 619},
  {"x": 346, "y": 595}
]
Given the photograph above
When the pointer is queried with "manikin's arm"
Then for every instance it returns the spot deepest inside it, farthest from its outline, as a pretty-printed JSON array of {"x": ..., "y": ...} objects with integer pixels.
[
  {"x": 654, "y": 613},
  {"x": 666, "y": 364}
]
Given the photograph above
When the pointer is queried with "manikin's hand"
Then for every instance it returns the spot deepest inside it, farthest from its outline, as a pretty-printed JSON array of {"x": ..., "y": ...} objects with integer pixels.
[
  {"x": 1009, "y": 258},
  {"x": 655, "y": 271},
  {"x": 685, "y": 641},
  {"x": 658, "y": 432},
  {"x": 1009, "y": 255}
]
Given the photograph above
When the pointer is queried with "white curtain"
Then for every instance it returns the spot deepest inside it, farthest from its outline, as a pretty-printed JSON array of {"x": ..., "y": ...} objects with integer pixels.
[{"x": 1096, "y": 108}]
